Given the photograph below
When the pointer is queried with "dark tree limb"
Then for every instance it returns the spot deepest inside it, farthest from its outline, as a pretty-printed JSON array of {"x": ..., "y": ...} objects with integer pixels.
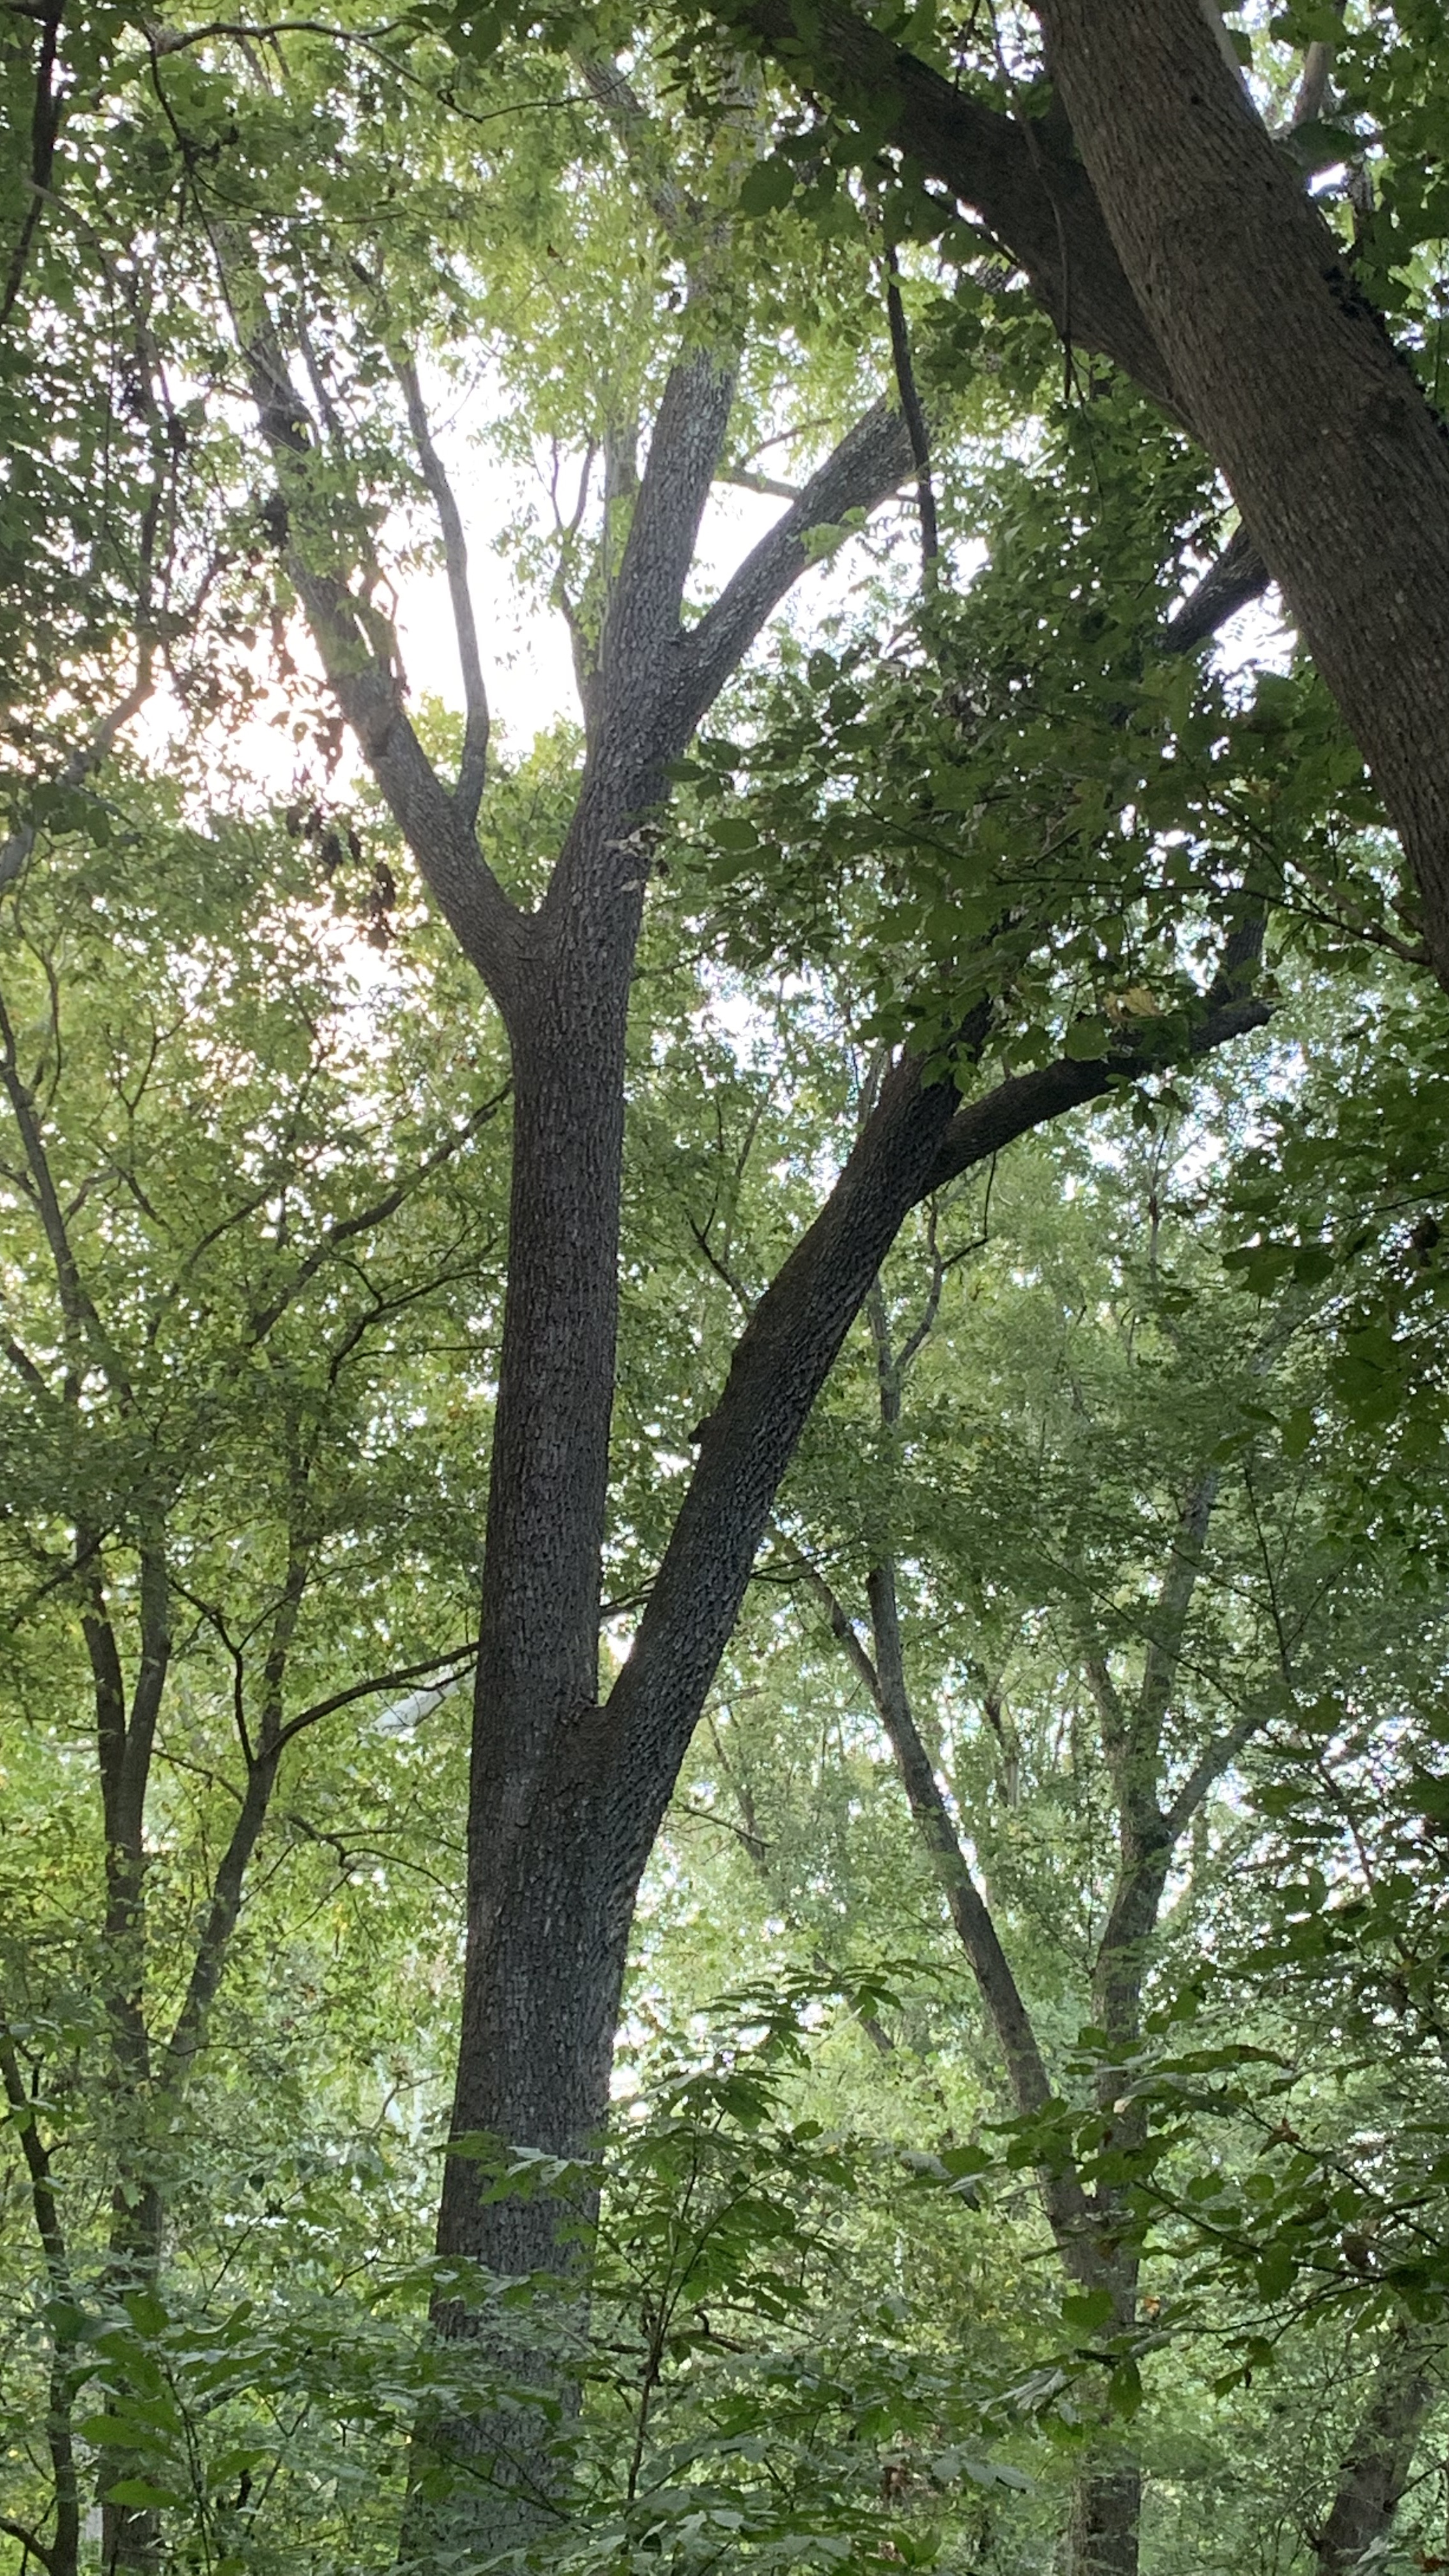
[
  {"x": 1024, "y": 184},
  {"x": 915, "y": 1140},
  {"x": 870, "y": 463},
  {"x": 1237, "y": 578},
  {"x": 473, "y": 766},
  {"x": 1375, "y": 2471}
]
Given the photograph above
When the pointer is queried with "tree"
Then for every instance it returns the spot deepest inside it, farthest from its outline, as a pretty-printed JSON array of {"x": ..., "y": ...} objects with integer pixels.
[
  {"x": 232, "y": 1229},
  {"x": 1159, "y": 222},
  {"x": 330, "y": 323}
]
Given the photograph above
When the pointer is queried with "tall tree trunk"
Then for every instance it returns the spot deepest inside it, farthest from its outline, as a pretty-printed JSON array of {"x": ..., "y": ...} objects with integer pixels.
[
  {"x": 1285, "y": 371},
  {"x": 539, "y": 1992}
]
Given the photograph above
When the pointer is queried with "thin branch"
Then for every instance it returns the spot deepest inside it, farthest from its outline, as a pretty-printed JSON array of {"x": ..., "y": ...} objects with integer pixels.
[
  {"x": 1066, "y": 2204},
  {"x": 358, "y": 648},
  {"x": 461, "y": 1656},
  {"x": 638, "y": 135},
  {"x": 346, "y": 1229},
  {"x": 86, "y": 758},
  {"x": 19, "y": 2531},
  {"x": 1214, "y": 1759},
  {"x": 473, "y": 766},
  {"x": 914, "y": 417}
]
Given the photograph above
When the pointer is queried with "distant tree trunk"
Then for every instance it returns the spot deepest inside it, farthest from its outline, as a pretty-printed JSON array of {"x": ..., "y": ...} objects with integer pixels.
[
  {"x": 1106, "y": 2520},
  {"x": 1376, "y": 2470}
]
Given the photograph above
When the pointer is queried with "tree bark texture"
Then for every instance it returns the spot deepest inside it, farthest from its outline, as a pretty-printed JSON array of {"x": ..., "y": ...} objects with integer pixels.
[
  {"x": 1376, "y": 2469},
  {"x": 1106, "y": 2521},
  {"x": 1285, "y": 371}
]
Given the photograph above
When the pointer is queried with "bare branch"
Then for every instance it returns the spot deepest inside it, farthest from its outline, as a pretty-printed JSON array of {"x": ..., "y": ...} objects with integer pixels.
[
  {"x": 1031, "y": 2089},
  {"x": 641, "y": 630},
  {"x": 1312, "y": 92},
  {"x": 224, "y": 1907},
  {"x": 914, "y": 416},
  {"x": 20, "y": 2531},
  {"x": 749, "y": 481},
  {"x": 1173, "y": 1604},
  {"x": 456, "y": 1656}
]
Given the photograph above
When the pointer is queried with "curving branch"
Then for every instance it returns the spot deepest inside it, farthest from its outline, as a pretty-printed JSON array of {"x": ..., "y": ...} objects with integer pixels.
[
  {"x": 1019, "y": 176},
  {"x": 358, "y": 648}
]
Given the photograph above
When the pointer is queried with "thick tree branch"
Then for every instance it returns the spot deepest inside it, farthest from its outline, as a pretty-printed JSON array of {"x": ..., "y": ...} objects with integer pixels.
[
  {"x": 1020, "y": 178},
  {"x": 1376, "y": 2469},
  {"x": 1215, "y": 1758},
  {"x": 641, "y": 630},
  {"x": 1335, "y": 457},
  {"x": 1237, "y": 578},
  {"x": 1173, "y": 1607},
  {"x": 914, "y": 1141},
  {"x": 870, "y": 463},
  {"x": 913, "y": 414},
  {"x": 1026, "y": 1100}
]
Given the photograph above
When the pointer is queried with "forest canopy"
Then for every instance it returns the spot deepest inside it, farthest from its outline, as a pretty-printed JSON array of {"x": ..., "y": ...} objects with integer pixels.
[{"x": 724, "y": 1510}]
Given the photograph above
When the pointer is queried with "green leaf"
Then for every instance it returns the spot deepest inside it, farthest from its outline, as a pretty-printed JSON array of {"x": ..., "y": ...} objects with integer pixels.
[
  {"x": 1088, "y": 2311},
  {"x": 768, "y": 187}
]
